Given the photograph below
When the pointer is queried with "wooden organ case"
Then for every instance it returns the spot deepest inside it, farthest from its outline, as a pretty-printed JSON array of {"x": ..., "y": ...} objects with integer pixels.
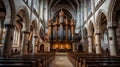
[{"x": 61, "y": 33}]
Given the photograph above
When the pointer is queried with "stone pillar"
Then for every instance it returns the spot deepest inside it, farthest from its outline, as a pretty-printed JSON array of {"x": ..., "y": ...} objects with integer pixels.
[
  {"x": 98, "y": 43},
  {"x": 73, "y": 45},
  {"x": 112, "y": 41},
  {"x": 24, "y": 46},
  {"x": 90, "y": 46},
  {"x": 7, "y": 46},
  {"x": 35, "y": 44}
]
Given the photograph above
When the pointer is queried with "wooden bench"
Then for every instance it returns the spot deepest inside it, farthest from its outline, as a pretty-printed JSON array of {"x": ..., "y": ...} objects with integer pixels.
[
  {"x": 16, "y": 63},
  {"x": 42, "y": 59},
  {"x": 93, "y": 60}
]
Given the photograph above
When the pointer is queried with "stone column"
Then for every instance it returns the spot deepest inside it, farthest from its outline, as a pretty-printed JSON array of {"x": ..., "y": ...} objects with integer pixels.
[
  {"x": 35, "y": 44},
  {"x": 112, "y": 41},
  {"x": 24, "y": 46},
  {"x": 98, "y": 43},
  {"x": 73, "y": 45},
  {"x": 7, "y": 46},
  {"x": 90, "y": 46}
]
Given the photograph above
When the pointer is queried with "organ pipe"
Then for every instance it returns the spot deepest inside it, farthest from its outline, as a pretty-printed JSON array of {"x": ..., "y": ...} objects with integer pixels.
[{"x": 62, "y": 29}]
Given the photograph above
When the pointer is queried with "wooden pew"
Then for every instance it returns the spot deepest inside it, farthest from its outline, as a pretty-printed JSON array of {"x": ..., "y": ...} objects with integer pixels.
[
  {"x": 96, "y": 62},
  {"x": 42, "y": 59},
  {"x": 12, "y": 62},
  {"x": 89, "y": 60}
]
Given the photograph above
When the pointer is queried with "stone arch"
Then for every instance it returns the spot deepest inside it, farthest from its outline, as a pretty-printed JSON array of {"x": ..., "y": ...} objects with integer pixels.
[
  {"x": 101, "y": 28},
  {"x": 25, "y": 17},
  {"x": 98, "y": 21},
  {"x": 90, "y": 28},
  {"x": 10, "y": 12},
  {"x": 80, "y": 47},
  {"x": 22, "y": 21},
  {"x": 42, "y": 48},
  {"x": 112, "y": 12},
  {"x": 67, "y": 13},
  {"x": 66, "y": 7}
]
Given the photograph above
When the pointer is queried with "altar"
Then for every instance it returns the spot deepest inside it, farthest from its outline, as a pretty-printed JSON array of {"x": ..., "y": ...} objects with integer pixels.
[{"x": 61, "y": 47}]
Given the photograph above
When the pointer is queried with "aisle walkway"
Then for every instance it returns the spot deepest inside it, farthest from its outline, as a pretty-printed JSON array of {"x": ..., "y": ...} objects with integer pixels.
[{"x": 61, "y": 60}]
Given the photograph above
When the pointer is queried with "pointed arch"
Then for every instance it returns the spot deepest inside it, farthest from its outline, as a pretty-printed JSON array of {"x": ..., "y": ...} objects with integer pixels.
[
  {"x": 112, "y": 12},
  {"x": 98, "y": 20},
  {"x": 25, "y": 16},
  {"x": 10, "y": 11}
]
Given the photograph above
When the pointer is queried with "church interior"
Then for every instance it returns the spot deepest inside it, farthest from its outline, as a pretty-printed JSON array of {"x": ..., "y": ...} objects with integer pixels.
[{"x": 59, "y": 33}]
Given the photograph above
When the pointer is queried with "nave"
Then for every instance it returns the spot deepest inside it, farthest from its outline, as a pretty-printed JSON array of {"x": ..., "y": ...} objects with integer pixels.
[
  {"x": 61, "y": 60},
  {"x": 86, "y": 32}
]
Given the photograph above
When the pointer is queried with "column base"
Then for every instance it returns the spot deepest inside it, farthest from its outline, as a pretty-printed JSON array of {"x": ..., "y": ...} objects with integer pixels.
[
  {"x": 98, "y": 50},
  {"x": 90, "y": 49},
  {"x": 113, "y": 51},
  {"x": 35, "y": 50}
]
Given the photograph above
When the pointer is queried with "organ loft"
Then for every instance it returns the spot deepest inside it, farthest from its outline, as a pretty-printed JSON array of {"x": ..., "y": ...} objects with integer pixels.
[{"x": 59, "y": 33}]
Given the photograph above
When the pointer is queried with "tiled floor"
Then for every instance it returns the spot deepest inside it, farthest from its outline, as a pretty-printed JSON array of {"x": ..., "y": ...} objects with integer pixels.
[{"x": 61, "y": 60}]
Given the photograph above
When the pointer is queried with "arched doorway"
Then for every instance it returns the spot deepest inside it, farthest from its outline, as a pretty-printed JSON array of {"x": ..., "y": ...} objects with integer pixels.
[
  {"x": 80, "y": 48},
  {"x": 42, "y": 48}
]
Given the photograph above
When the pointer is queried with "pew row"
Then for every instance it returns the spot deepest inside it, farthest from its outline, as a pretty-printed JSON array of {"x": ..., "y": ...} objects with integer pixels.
[
  {"x": 93, "y": 60},
  {"x": 28, "y": 60}
]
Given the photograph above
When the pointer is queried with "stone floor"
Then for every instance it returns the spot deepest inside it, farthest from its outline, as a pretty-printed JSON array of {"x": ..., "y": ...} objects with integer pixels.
[{"x": 61, "y": 60}]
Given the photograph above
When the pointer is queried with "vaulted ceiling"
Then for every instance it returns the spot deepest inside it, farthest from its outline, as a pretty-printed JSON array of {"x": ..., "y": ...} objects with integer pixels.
[{"x": 68, "y": 6}]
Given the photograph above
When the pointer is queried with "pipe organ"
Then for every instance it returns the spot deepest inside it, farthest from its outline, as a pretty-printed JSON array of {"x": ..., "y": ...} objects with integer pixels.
[
  {"x": 61, "y": 32},
  {"x": 63, "y": 29}
]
